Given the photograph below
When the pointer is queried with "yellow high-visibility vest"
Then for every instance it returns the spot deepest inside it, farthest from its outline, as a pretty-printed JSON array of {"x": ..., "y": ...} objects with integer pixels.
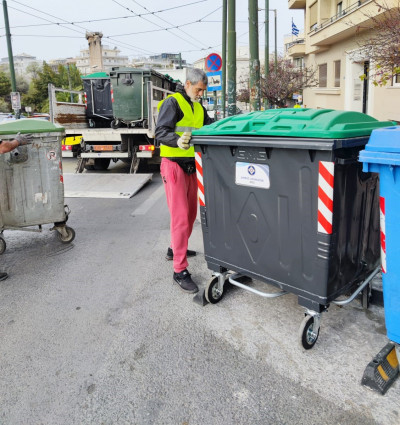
[{"x": 191, "y": 121}]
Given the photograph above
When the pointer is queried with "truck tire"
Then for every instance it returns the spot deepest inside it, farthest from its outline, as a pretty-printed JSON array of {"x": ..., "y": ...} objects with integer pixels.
[{"x": 101, "y": 163}]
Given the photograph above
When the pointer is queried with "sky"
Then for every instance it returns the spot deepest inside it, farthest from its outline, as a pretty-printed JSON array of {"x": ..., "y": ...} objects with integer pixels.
[{"x": 55, "y": 29}]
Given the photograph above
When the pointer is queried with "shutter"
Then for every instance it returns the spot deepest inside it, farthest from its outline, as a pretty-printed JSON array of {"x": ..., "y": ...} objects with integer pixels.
[
  {"x": 337, "y": 73},
  {"x": 322, "y": 74},
  {"x": 313, "y": 15}
]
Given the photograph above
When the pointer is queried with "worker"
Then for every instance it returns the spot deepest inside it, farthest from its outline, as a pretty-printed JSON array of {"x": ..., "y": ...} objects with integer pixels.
[
  {"x": 8, "y": 146},
  {"x": 179, "y": 114}
]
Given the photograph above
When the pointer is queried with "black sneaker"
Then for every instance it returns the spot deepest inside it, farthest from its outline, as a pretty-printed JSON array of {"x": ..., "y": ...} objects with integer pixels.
[
  {"x": 170, "y": 254},
  {"x": 185, "y": 282},
  {"x": 3, "y": 276}
]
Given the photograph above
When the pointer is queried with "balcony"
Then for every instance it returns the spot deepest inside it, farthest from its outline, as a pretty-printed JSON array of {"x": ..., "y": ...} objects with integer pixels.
[
  {"x": 297, "y": 48},
  {"x": 342, "y": 25},
  {"x": 297, "y": 4}
]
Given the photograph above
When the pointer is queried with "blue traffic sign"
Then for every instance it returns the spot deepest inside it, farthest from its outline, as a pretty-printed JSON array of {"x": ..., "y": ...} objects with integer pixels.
[
  {"x": 213, "y": 62},
  {"x": 214, "y": 81}
]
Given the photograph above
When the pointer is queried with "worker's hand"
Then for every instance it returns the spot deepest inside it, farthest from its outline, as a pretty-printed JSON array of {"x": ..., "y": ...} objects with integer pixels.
[
  {"x": 184, "y": 141},
  {"x": 24, "y": 139}
]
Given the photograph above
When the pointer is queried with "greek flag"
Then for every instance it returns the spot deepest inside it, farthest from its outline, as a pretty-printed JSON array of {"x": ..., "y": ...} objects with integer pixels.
[{"x": 295, "y": 30}]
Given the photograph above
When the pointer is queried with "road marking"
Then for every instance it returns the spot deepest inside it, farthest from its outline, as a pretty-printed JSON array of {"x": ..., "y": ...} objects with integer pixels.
[{"x": 149, "y": 202}]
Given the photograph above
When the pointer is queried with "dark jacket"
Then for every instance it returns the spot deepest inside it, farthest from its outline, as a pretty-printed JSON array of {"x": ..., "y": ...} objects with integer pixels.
[{"x": 170, "y": 113}]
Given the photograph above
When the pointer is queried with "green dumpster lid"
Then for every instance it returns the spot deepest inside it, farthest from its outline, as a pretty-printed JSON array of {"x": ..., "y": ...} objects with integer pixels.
[
  {"x": 304, "y": 123},
  {"x": 95, "y": 75},
  {"x": 30, "y": 125}
]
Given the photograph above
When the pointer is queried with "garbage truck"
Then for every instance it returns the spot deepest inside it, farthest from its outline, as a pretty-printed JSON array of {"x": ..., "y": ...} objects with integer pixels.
[{"x": 135, "y": 94}]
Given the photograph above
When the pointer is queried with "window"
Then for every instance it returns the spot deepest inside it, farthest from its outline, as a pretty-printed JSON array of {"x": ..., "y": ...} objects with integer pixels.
[
  {"x": 339, "y": 8},
  {"x": 396, "y": 80},
  {"x": 337, "y": 73},
  {"x": 322, "y": 73},
  {"x": 313, "y": 16}
]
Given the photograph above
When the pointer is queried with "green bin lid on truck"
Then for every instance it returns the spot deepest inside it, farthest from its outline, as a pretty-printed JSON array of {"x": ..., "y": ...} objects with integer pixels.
[
  {"x": 30, "y": 125},
  {"x": 304, "y": 123},
  {"x": 95, "y": 75}
]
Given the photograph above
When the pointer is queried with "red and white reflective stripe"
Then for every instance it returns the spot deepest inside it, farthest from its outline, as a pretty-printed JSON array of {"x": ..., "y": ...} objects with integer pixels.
[
  {"x": 112, "y": 95},
  {"x": 325, "y": 197},
  {"x": 200, "y": 183},
  {"x": 85, "y": 97},
  {"x": 383, "y": 233}
]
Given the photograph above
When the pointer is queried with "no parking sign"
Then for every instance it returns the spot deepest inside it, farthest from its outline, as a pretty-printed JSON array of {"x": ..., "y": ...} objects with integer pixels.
[{"x": 213, "y": 62}]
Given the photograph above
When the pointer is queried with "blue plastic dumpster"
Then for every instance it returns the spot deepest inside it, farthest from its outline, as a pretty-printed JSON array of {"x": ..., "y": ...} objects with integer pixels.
[{"x": 382, "y": 155}]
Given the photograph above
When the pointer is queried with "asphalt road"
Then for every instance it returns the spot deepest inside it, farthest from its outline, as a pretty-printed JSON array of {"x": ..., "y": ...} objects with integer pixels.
[{"x": 95, "y": 332}]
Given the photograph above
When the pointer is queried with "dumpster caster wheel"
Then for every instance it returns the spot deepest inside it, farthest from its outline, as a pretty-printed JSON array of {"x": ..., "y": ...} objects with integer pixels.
[
  {"x": 69, "y": 237},
  {"x": 308, "y": 337},
  {"x": 213, "y": 293},
  {"x": 2, "y": 245},
  {"x": 115, "y": 124}
]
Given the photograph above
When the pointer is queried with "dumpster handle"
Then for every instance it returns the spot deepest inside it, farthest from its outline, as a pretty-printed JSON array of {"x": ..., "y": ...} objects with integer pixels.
[
  {"x": 255, "y": 291},
  {"x": 359, "y": 289}
]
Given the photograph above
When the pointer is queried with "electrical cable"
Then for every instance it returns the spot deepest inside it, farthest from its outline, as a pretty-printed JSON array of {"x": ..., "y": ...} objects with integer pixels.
[
  {"x": 103, "y": 19},
  {"x": 121, "y": 43},
  {"x": 169, "y": 23}
]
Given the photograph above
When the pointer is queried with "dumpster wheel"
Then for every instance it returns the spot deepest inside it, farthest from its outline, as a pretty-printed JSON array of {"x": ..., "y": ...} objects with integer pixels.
[
  {"x": 307, "y": 336},
  {"x": 212, "y": 292},
  {"x": 2, "y": 245},
  {"x": 68, "y": 236}
]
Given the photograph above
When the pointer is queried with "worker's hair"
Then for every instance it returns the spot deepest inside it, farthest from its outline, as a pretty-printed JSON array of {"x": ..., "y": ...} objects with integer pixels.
[{"x": 194, "y": 75}]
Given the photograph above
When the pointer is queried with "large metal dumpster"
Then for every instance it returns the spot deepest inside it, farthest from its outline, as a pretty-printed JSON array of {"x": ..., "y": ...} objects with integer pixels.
[
  {"x": 31, "y": 180},
  {"x": 97, "y": 88},
  {"x": 130, "y": 91},
  {"x": 283, "y": 200},
  {"x": 382, "y": 155}
]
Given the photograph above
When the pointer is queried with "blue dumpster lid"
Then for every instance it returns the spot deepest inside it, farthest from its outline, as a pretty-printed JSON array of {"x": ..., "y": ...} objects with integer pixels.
[
  {"x": 304, "y": 123},
  {"x": 31, "y": 125},
  {"x": 383, "y": 147},
  {"x": 385, "y": 140}
]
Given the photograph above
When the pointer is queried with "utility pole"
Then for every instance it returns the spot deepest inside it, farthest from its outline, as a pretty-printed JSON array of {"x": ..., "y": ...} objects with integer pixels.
[
  {"x": 10, "y": 52},
  {"x": 70, "y": 85},
  {"x": 231, "y": 57},
  {"x": 266, "y": 61},
  {"x": 255, "y": 100},
  {"x": 224, "y": 17},
  {"x": 276, "y": 44}
]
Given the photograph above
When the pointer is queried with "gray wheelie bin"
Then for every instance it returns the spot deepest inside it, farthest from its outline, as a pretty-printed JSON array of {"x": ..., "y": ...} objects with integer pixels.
[
  {"x": 283, "y": 200},
  {"x": 31, "y": 180}
]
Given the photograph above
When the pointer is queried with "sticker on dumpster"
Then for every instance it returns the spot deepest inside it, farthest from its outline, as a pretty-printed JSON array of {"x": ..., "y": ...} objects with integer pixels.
[
  {"x": 383, "y": 232},
  {"x": 200, "y": 183},
  {"x": 254, "y": 175},
  {"x": 325, "y": 196},
  {"x": 51, "y": 155}
]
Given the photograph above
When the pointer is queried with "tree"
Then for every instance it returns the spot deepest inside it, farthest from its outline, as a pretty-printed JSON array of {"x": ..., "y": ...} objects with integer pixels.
[
  {"x": 285, "y": 80},
  {"x": 37, "y": 96},
  {"x": 382, "y": 45},
  {"x": 33, "y": 69},
  {"x": 5, "y": 84}
]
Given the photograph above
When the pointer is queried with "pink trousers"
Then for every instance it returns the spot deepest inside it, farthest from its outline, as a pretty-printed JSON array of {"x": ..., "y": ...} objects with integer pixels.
[{"x": 181, "y": 191}]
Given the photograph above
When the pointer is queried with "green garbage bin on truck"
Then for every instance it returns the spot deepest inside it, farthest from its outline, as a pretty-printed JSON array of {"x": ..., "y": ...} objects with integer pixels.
[
  {"x": 31, "y": 180},
  {"x": 130, "y": 94},
  {"x": 284, "y": 200}
]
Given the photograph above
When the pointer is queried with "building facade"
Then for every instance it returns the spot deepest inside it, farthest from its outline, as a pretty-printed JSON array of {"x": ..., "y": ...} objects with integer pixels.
[
  {"x": 21, "y": 63},
  {"x": 331, "y": 44}
]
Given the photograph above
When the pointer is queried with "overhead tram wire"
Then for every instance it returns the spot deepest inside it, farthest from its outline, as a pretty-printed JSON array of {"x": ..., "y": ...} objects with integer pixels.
[
  {"x": 169, "y": 23},
  {"x": 102, "y": 19},
  {"x": 147, "y": 20},
  {"x": 165, "y": 29},
  {"x": 117, "y": 42}
]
